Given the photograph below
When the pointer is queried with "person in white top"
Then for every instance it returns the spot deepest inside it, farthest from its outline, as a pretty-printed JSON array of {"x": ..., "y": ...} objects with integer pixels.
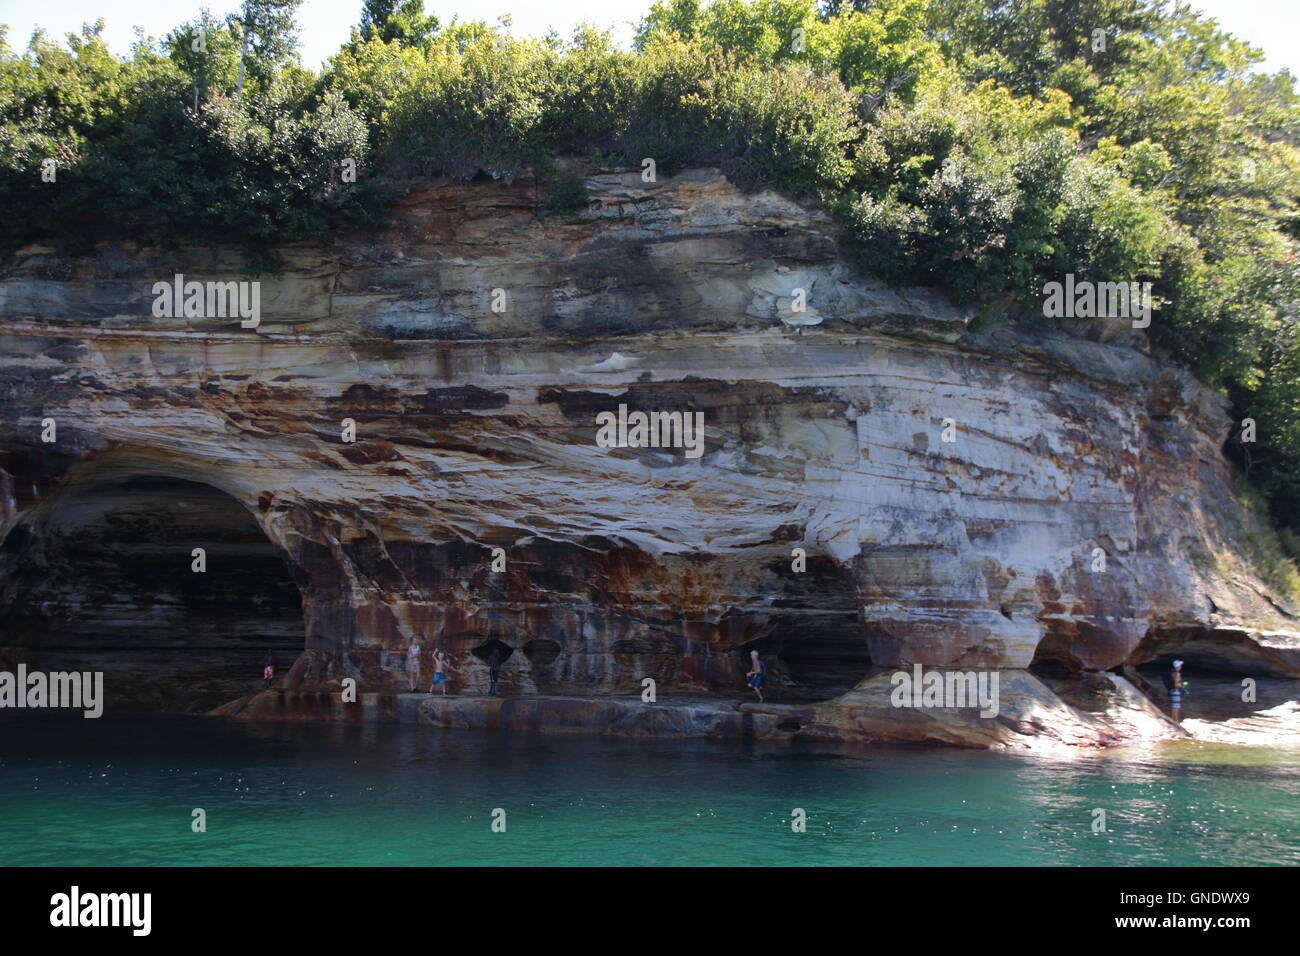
[{"x": 413, "y": 663}]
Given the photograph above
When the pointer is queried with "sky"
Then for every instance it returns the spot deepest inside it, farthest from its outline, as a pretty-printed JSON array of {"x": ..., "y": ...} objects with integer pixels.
[{"x": 1272, "y": 25}]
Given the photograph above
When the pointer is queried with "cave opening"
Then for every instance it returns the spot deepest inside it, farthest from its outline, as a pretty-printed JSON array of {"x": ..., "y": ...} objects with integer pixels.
[
  {"x": 104, "y": 577},
  {"x": 1230, "y": 675},
  {"x": 810, "y": 635},
  {"x": 811, "y": 656}
]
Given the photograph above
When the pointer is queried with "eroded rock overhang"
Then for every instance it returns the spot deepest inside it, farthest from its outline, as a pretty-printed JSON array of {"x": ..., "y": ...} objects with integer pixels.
[{"x": 825, "y": 430}]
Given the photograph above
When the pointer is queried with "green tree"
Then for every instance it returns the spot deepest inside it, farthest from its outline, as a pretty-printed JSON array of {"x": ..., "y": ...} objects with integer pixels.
[
  {"x": 206, "y": 50},
  {"x": 981, "y": 146},
  {"x": 405, "y": 22},
  {"x": 268, "y": 39}
]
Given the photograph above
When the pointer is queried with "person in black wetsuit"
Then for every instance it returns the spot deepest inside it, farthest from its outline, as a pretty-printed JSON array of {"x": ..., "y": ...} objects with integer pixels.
[{"x": 494, "y": 670}]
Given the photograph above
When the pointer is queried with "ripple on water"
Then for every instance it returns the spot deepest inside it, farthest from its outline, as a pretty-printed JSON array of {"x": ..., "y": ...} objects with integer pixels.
[{"x": 122, "y": 792}]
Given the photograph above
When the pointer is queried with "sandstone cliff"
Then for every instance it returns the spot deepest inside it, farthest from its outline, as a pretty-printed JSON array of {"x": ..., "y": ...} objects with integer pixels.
[{"x": 475, "y": 430}]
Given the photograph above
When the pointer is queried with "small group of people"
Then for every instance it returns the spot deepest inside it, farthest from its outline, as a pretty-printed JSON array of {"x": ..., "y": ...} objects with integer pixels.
[
  {"x": 442, "y": 664},
  {"x": 1173, "y": 681}
]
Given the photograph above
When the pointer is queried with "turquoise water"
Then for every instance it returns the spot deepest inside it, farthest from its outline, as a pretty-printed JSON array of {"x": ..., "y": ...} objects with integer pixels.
[{"x": 121, "y": 792}]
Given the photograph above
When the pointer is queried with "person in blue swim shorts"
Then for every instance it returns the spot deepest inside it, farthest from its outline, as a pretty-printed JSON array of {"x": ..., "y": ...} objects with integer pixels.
[
  {"x": 757, "y": 670},
  {"x": 439, "y": 666},
  {"x": 1177, "y": 687}
]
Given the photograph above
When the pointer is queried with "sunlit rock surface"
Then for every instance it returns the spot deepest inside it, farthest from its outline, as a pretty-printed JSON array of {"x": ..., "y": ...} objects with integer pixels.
[{"x": 476, "y": 429}]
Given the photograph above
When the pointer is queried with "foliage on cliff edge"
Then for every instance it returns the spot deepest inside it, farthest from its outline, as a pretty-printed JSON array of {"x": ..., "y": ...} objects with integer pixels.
[{"x": 983, "y": 147}]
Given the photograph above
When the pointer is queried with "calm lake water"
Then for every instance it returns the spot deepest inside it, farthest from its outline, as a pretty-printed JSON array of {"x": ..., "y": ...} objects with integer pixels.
[{"x": 121, "y": 791}]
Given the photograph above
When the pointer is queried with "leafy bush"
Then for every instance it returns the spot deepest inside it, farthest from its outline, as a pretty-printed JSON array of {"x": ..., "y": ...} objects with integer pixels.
[
  {"x": 980, "y": 146},
  {"x": 567, "y": 196}
]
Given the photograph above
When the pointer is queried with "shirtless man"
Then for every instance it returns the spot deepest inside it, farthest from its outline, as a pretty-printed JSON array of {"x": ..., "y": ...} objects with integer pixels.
[
  {"x": 756, "y": 672},
  {"x": 440, "y": 663}
]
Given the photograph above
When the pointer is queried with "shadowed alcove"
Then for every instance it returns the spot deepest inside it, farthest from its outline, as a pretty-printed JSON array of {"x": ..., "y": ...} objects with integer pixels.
[
  {"x": 101, "y": 577},
  {"x": 1216, "y": 663},
  {"x": 809, "y": 632}
]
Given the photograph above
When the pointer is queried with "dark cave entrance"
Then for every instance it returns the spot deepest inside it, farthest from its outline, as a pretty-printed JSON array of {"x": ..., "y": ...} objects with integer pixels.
[
  {"x": 1217, "y": 664},
  {"x": 811, "y": 656},
  {"x": 810, "y": 635},
  {"x": 102, "y": 579}
]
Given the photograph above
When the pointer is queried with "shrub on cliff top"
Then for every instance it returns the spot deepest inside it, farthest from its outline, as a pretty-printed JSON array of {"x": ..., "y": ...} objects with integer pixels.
[
  {"x": 133, "y": 157},
  {"x": 980, "y": 146},
  {"x": 478, "y": 103}
]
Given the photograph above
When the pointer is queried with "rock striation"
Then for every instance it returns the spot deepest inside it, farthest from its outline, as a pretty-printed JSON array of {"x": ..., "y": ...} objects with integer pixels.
[{"x": 406, "y": 444}]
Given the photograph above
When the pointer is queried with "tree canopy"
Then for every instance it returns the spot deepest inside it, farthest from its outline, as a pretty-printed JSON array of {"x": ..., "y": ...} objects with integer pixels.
[{"x": 982, "y": 146}]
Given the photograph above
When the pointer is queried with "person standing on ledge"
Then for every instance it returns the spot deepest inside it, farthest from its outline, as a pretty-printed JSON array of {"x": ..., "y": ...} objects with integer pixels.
[
  {"x": 756, "y": 671},
  {"x": 440, "y": 663},
  {"x": 494, "y": 670},
  {"x": 268, "y": 668},
  {"x": 1176, "y": 686},
  {"x": 413, "y": 662}
]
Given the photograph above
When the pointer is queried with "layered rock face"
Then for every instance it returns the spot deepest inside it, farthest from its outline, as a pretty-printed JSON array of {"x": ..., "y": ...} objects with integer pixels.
[{"x": 878, "y": 485}]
